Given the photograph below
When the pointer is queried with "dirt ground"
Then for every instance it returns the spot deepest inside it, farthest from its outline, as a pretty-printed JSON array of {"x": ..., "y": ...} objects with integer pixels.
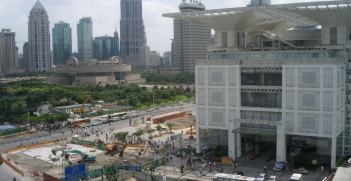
[
  {"x": 28, "y": 164},
  {"x": 181, "y": 123}
]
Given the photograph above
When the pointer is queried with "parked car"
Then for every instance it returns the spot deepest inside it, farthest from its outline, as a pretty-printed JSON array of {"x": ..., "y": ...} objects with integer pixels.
[
  {"x": 96, "y": 123},
  {"x": 262, "y": 177},
  {"x": 180, "y": 104},
  {"x": 301, "y": 170},
  {"x": 150, "y": 110},
  {"x": 125, "y": 117},
  {"x": 136, "y": 115},
  {"x": 273, "y": 178},
  {"x": 85, "y": 125},
  {"x": 115, "y": 118}
]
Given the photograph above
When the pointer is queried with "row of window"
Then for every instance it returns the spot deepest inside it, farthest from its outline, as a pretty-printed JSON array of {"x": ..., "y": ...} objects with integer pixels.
[{"x": 269, "y": 56}]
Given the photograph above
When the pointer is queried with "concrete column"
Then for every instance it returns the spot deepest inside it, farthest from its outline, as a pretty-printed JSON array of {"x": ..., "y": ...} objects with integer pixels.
[
  {"x": 281, "y": 145},
  {"x": 333, "y": 152},
  {"x": 231, "y": 139},
  {"x": 198, "y": 136},
  {"x": 238, "y": 145}
]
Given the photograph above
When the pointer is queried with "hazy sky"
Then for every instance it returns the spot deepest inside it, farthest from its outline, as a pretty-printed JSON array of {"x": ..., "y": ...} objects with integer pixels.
[{"x": 105, "y": 15}]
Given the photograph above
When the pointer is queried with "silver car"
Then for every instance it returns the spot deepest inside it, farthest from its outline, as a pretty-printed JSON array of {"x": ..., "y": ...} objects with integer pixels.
[{"x": 262, "y": 177}]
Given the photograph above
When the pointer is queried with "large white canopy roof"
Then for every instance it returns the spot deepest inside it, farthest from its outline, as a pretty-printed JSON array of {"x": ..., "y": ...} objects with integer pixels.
[{"x": 272, "y": 17}]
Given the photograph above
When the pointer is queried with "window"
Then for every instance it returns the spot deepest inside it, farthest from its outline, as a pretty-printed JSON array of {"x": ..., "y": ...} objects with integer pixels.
[
  {"x": 327, "y": 101},
  {"x": 290, "y": 77},
  {"x": 213, "y": 57},
  {"x": 216, "y": 77},
  {"x": 309, "y": 100},
  {"x": 328, "y": 78},
  {"x": 202, "y": 116},
  {"x": 327, "y": 124},
  {"x": 290, "y": 99},
  {"x": 232, "y": 77},
  {"x": 289, "y": 122},
  {"x": 201, "y": 97},
  {"x": 232, "y": 97},
  {"x": 217, "y": 117},
  {"x": 216, "y": 97},
  {"x": 308, "y": 123},
  {"x": 301, "y": 55},
  {"x": 284, "y": 55},
  {"x": 201, "y": 77},
  {"x": 309, "y": 77}
]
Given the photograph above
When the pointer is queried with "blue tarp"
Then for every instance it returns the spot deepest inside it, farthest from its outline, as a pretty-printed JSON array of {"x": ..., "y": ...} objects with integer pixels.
[{"x": 6, "y": 127}]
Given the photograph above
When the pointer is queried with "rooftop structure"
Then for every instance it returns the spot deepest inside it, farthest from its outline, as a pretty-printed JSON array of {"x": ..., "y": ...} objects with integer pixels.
[{"x": 284, "y": 88}]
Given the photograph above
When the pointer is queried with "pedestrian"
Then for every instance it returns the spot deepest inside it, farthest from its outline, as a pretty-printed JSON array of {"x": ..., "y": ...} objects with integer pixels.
[
  {"x": 322, "y": 168},
  {"x": 265, "y": 169},
  {"x": 159, "y": 172},
  {"x": 21, "y": 144},
  {"x": 171, "y": 156},
  {"x": 165, "y": 172},
  {"x": 236, "y": 165},
  {"x": 147, "y": 169},
  {"x": 274, "y": 169},
  {"x": 210, "y": 168},
  {"x": 167, "y": 158},
  {"x": 233, "y": 165}
]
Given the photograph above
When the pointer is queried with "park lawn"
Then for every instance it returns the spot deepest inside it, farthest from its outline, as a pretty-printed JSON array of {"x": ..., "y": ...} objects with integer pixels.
[{"x": 183, "y": 99}]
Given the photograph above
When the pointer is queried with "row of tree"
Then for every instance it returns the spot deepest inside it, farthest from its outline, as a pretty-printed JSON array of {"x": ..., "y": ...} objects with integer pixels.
[{"x": 17, "y": 98}]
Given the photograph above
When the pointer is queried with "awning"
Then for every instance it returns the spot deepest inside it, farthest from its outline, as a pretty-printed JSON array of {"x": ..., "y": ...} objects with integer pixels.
[{"x": 256, "y": 131}]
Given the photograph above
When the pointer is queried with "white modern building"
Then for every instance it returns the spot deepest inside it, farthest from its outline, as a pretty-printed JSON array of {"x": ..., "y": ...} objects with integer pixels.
[
  {"x": 284, "y": 90},
  {"x": 39, "y": 39}
]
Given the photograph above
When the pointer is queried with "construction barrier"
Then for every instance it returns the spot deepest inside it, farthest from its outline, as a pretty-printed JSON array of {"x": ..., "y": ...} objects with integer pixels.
[
  {"x": 193, "y": 131},
  {"x": 13, "y": 131},
  {"x": 29, "y": 146},
  {"x": 168, "y": 117},
  {"x": 12, "y": 166}
]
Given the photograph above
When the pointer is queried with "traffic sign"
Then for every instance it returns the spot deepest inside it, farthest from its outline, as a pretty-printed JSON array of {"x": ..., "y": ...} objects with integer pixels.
[
  {"x": 75, "y": 172},
  {"x": 134, "y": 168}
]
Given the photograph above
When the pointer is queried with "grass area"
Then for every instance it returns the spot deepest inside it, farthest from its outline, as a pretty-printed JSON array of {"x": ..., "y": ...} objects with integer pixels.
[
  {"x": 342, "y": 160},
  {"x": 183, "y": 99}
]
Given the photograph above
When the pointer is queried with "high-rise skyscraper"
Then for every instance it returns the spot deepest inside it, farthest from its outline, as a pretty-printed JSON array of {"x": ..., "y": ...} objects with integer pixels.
[
  {"x": 190, "y": 39},
  {"x": 116, "y": 43},
  {"x": 85, "y": 39},
  {"x": 25, "y": 55},
  {"x": 132, "y": 31},
  {"x": 106, "y": 47},
  {"x": 61, "y": 42},
  {"x": 39, "y": 39},
  {"x": 7, "y": 50}
]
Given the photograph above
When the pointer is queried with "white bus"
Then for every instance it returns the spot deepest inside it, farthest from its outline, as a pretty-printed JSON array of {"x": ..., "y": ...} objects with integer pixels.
[
  {"x": 116, "y": 116},
  {"x": 103, "y": 118},
  {"x": 231, "y": 177}
]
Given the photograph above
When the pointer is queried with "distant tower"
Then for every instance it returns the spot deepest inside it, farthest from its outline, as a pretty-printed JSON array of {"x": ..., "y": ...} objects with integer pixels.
[
  {"x": 190, "y": 39},
  {"x": 260, "y": 2},
  {"x": 7, "y": 50},
  {"x": 132, "y": 31},
  {"x": 85, "y": 39},
  {"x": 116, "y": 44},
  {"x": 39, "y": 39},
  {"x": 61, "y": 42}
]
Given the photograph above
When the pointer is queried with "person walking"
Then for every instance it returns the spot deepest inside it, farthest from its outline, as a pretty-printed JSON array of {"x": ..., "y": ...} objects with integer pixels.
[
  {"x": 171, "y": 156},
  {"x": 322, "y": 168},
  {"x": 165, "y": 172},
  {"x": 167, "y": 158},
  {"x": 159, "y": 172},
  {"x": 233, "y": 165},
  {"x": 210, "y": 168},
  {"x": 265, "y": 169}
]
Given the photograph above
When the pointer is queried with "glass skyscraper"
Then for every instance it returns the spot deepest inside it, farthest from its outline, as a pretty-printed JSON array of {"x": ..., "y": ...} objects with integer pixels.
[
  {"x": 106, "y": 47},
  {"x": 85, "y": 39},
  {"x": 61, "y": 42},
  {"x": 260, "y": 2},
  {"x": 132, "y": 30}
]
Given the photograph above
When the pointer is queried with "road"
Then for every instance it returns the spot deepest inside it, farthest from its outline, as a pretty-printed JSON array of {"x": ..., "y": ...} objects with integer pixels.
[{"x": 44, "y": 136}]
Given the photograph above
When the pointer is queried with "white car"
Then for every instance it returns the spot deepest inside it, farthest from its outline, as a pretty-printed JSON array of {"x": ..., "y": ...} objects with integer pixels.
[
  {"x": 273, "y": 178},
  {"x": 150, "y": 110},
  {"x": 262, "y": 177}
]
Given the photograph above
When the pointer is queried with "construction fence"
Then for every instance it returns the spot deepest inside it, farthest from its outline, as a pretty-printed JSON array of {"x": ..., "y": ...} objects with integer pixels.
[
  {"x": 99, "y": 171},
  {"x": 13, "y": 131},
  {"x": 109, "y": 111}
]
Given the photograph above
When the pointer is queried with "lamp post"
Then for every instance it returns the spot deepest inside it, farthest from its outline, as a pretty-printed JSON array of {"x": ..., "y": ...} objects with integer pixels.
[
  {"x": 127, "y": 105},
  {"x": 110, "y": 126}
]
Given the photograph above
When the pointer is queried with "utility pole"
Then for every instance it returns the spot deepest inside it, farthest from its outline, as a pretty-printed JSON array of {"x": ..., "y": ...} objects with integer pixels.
[
  {"x": 28, "y": 116},
  {"x": 153, "y": 98},
  {"x": 127, "y": 105}
]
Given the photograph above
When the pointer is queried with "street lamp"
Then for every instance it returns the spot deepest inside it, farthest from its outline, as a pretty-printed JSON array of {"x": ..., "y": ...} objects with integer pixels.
[{"x": 110, "y": 126}]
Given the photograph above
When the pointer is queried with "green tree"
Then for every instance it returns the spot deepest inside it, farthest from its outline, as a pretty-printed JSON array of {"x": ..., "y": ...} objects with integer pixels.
[
  {"x": 172, "y": 99},
  {"x": 121, "y": 135},
  {"x": 188, "y": 95},
  {"x": 158, "y": 101},
  {"x": 138, "y": 133},
  {"x": 100, "y": 112},
  {"x": 139, "y": 105},
  {"x": 111, "y": 173},
  {"x": 170, "y": 125},
  {"x": 158, "y": 127}
]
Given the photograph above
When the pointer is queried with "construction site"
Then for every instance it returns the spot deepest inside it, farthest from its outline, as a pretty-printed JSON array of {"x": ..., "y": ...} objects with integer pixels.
[{"x": 50, "y": 158}]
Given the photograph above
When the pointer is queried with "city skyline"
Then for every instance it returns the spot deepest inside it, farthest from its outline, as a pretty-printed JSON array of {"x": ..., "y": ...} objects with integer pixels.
[{"x": 158, "y": 38}]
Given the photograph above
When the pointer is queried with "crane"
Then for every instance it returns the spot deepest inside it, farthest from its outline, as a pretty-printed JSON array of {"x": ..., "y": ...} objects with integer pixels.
[
  {"x": 85, "y": 157},
  {"x": 81, "y": 109}
]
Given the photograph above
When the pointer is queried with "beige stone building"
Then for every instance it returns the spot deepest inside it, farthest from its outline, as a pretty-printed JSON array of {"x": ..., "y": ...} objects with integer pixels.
[{"x": 110, "y": 71}]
